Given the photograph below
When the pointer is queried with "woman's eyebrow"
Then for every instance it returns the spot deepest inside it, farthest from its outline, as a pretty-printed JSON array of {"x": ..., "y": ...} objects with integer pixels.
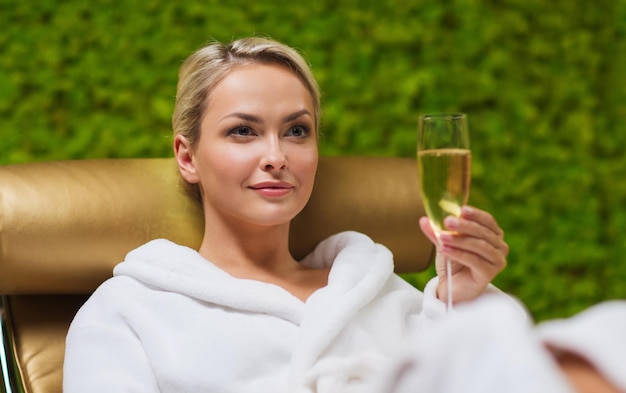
[
  {"x": 243, "y": 116},
  {"x": 297, "y": 114},
  {"x": 255, "y": 119}
]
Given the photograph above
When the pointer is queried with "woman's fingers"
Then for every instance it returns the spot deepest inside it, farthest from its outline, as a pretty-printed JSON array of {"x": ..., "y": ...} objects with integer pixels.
[
  {"x": 428, "y": 229},
  {"x": 474, "y": 239},
  {"x": 480, "y": 248},
  {"x": 475, "y": 244},
  {"x": 474, "y": 255},
  {"x": 482, "y": 217},
  {"x": 480, "y": 225}
]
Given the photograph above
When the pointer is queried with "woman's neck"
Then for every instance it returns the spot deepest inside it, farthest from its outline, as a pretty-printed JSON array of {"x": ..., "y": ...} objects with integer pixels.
[
  {"x": 242, "y": 248},
  {"x": 261, "y": 254}
]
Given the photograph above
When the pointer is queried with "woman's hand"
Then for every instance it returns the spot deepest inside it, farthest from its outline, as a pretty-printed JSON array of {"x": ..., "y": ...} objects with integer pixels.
[{"x": 477, "y": 251}]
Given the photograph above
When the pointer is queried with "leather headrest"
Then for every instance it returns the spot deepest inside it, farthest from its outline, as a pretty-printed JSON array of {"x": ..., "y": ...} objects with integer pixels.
[{"x": 65, "y": 224}]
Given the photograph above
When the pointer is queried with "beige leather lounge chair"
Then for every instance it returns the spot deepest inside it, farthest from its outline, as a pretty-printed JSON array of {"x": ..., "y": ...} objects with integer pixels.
[{"x": 64, "y": 225}]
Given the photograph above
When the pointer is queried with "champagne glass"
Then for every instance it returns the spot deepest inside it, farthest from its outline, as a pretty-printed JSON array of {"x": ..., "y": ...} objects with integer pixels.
[{"x": 444, "y": 161}]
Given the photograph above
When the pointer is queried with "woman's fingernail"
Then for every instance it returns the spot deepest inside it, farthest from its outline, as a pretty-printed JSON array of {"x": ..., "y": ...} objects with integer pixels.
[
  {"x": 451, "y": 222},
  {"x": 444, "y": 237},
  {"x": 467, "y": 210}
]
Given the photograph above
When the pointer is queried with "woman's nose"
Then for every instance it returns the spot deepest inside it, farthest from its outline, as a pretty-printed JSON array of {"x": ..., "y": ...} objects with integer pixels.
[{"x": 274, "y": 157}]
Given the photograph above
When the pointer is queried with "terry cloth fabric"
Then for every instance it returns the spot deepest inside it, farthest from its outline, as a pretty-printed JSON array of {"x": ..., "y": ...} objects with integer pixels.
[
  {"x": 598, "y": 334},
  {"x": 485, "y": 347},
  {"x": 171, "y": 321}
]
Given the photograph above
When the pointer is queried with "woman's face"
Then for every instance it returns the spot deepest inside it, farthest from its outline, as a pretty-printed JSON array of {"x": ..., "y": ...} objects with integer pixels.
[{"x": 257, "y": 154}]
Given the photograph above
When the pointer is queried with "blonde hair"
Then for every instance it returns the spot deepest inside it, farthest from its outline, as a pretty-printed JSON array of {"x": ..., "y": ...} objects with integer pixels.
[{"x": 205, "y": 68}]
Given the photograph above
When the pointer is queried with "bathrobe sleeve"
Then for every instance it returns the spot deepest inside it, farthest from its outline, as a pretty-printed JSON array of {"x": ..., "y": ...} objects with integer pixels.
[
  {"x": 434, "y": 310},
  {"x": 103, "y": 355}
]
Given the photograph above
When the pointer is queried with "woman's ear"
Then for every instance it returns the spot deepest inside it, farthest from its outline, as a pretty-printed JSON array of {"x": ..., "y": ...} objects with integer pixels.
[{"x": 183, "y": 152}]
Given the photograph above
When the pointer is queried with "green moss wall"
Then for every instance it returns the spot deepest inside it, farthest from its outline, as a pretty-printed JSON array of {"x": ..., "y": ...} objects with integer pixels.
[{"x": 542, "y": 81}]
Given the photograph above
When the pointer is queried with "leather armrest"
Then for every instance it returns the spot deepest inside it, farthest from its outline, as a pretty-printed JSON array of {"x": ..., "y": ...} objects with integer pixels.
[{"x": 36, "y": 342}]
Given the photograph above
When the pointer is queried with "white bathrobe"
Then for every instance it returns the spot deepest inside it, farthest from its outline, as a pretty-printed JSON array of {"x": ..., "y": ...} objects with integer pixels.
[{"x": 171, "y": 321}]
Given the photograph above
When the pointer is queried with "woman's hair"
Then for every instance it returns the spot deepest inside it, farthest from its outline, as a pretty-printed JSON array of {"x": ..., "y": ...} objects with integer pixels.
[{"x": 205, "y": 68}]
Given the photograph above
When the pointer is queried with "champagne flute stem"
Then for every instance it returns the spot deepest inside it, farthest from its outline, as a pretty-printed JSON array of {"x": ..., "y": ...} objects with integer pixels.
[
  {"x": 449, "y": 286},
  {"x": 448, "y": 275}
]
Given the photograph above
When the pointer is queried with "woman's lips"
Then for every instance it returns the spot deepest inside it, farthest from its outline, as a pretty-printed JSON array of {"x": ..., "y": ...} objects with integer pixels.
[{"x": 272, "y": 189}]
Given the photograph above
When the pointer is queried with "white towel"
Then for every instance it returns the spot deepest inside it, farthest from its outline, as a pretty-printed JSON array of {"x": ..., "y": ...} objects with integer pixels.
[{"x": 485, "y": 347}]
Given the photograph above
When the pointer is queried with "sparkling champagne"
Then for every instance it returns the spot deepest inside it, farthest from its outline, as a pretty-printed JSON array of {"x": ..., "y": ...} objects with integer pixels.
[{"x": 445, "y": 180}]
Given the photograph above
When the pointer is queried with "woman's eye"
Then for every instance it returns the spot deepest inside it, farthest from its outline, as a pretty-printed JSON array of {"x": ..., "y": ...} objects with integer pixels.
[
  {"x": 240, "y": 131},
  {"x": 299, "y": 131}
]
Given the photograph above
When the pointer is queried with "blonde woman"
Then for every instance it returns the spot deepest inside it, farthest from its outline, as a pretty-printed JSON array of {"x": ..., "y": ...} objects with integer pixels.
[{"x": 240, "y": 314}]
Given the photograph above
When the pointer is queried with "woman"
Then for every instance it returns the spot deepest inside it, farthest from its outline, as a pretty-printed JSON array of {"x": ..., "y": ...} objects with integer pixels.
[{"x": 240, "y": 314}]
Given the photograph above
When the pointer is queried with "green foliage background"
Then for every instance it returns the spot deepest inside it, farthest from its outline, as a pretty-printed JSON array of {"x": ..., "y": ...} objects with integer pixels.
[{"x": 543, "y": 83}]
